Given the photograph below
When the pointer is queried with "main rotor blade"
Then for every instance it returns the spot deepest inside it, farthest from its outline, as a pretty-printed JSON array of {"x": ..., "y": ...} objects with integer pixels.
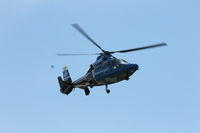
[
  {"x": 71, "y": 54},
  {"x": 78, "y": 28},
  {"x": 140, "y": 48}
]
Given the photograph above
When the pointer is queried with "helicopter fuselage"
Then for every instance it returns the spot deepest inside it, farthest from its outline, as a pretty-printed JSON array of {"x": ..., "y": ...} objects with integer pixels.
[{"x": 106, "y": 70}]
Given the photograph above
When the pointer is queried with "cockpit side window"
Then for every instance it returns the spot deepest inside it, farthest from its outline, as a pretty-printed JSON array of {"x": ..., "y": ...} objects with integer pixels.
[
  {"x": 107, "y": 64},
  {"x": 115, "y": 64},
  {"x": 98, "y": 66}
]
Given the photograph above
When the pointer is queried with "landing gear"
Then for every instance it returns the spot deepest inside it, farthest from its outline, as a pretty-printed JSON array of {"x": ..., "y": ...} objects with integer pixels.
[
  {"x": 87, "y": 91},
  {"x": 107, "y": 90}
]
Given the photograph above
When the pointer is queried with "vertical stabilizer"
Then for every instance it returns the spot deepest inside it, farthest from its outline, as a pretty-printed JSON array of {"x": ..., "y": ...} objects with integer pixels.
[{"x": 66, "y": 75}]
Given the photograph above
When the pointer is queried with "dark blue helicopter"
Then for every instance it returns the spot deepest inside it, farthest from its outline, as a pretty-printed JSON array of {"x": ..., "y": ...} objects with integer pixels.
[{"x": 106, "y": 70}]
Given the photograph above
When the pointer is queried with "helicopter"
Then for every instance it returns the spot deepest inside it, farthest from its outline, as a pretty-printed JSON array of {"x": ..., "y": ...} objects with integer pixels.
[{"x": 106, "y": 70}]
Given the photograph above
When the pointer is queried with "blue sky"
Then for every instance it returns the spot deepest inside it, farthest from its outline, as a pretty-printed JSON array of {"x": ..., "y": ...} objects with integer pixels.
[{"x": 163, "y": 96}]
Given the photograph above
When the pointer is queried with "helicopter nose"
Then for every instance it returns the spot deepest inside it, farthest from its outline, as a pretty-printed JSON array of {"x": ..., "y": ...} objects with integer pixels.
[{"x": 134, "y": 67}]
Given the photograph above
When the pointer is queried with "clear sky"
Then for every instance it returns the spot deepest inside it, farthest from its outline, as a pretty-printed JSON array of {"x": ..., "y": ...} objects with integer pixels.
[{"x": 162, "y": 97}]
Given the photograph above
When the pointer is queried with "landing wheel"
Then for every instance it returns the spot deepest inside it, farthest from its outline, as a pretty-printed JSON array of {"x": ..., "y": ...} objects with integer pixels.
[
  {"x": 107, "y": 91},
  {"x": 87, "y": 91}
]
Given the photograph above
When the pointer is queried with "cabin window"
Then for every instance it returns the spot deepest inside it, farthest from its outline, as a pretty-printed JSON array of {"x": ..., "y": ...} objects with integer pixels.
[
  {"x": 107, "y": 64},
  {"x": 104, "y": 58}
]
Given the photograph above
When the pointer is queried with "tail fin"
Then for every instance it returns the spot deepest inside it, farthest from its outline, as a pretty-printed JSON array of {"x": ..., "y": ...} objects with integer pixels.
[
  {"x": 65, "y": 85},
  {"x": 66, "y": 75}
]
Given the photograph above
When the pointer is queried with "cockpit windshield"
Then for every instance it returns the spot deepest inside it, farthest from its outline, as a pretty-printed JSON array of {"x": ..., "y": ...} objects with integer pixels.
[
  {"x": 108, "y": 61},
  {"x": 122, "y": 61}
]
